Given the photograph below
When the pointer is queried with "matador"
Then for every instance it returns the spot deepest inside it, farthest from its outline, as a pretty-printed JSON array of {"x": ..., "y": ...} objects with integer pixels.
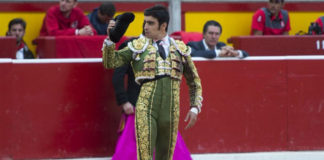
[{"x": 157, "y": 107}]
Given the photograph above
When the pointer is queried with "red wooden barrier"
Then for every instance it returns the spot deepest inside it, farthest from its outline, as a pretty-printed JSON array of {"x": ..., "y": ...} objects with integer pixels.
[
  {"x": 67, "y": 109},
  {"x": 305, "y": 105},
  {"x": 279, "y": 45},
  {"x": 244, "y": 107},
  {"x": 57, "y": 110},
  {"x": 71, "y": 46},
  {"x": 8, "y": 47}
]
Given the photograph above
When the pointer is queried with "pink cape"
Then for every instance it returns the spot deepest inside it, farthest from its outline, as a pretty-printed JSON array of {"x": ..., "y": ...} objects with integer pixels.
[{"x": 126, "y": 145}]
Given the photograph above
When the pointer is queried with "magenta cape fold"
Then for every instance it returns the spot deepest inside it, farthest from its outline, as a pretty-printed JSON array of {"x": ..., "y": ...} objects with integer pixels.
[{"x": 126, "y": 145}]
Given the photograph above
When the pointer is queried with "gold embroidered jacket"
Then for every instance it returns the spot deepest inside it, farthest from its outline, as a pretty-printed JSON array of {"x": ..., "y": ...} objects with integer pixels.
[{"x": 147, "y": 63}]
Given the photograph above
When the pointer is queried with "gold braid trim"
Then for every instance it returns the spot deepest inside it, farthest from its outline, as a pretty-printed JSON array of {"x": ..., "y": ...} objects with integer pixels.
[
  {"x": 194, "y": 83},
  {"x": 175, "y": 112},
  {"x": 142, "y": 121},
  {"x": 181, "y": 47},
  {"x": 108, "y": 56},
  {"x": 138, "y": 46},
  {"x": 114, "y": 59}
]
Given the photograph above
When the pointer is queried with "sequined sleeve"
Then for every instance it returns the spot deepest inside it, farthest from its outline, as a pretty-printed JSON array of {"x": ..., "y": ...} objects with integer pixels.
[
  {"x": 114, "y": 59},
  {"x": 193, "y": 81},
  {"x": 191, "y": 75}
]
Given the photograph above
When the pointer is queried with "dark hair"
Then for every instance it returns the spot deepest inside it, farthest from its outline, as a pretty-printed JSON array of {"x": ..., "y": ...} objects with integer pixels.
[
  {"x": 17, "y": 21},
  {"x": 107, "y": 8},
  {"x": 212, "y": 23},
  {"x": 277, "y": 1},
  {"x": 160, "y": 13}
]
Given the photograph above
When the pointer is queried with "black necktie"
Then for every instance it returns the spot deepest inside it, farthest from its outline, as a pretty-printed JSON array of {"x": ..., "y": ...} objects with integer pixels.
[{"x": 161, "y": 49}]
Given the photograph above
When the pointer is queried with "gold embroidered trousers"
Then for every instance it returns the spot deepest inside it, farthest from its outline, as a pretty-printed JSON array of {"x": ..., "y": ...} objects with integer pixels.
[{"x": 157, "y": 118}]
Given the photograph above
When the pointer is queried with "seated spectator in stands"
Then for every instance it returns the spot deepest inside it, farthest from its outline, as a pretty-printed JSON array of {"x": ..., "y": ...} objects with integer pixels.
[
  {"x": 271, "y": 20},
  {"x": 17, "y": 29},
  {"x": 100, "y": 17},
  {"x": 210, "y": 47},
  {"x": 66, "y": 19},
  {"x": 320, "y": 22}
]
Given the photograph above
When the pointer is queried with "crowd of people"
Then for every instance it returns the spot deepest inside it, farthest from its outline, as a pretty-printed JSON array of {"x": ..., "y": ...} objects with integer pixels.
[
  {"x": 68, "y": 19},
  {"x": 64, "y": 19}
]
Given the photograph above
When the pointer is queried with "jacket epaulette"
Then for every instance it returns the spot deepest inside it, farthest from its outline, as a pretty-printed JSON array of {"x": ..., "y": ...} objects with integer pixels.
[
  {"x": 138, "y": 46},
  {"x": 183, "y": 49}
]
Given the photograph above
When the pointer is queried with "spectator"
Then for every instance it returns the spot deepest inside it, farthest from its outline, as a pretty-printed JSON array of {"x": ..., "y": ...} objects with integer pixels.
[
  {"x": 210, "y": 47},
  {"x": 320, "y": 22},
  {"x": 66, "y": 19},
  {"x": 17, "y": 29},
  {"x": 271, "y": 20},
  {"x": 100, "y": 17}
]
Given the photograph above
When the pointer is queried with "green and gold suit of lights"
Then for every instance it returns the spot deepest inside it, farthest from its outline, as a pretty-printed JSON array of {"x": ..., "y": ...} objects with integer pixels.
[{"x": 157, "y": 108}]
